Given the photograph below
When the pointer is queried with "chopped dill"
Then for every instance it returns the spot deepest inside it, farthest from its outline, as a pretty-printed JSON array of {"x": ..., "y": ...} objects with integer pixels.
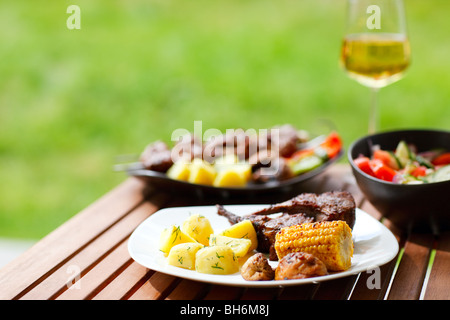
[{"x": 216, "y": 266}]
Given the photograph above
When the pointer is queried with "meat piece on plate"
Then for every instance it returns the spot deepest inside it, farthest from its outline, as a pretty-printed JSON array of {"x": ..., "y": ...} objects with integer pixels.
[
  {"x": 299, "y": 265},
  {"x": 333, "y": 205},
  {"x": 257, "y": 268}
]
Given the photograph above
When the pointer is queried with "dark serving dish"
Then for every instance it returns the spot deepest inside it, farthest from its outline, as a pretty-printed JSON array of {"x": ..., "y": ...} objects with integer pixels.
[
  {"x": 252, "y": 189},
  {"x": 418, "y": 206}
]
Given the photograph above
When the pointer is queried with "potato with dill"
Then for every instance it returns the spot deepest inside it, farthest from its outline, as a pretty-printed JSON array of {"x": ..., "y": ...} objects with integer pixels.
[
  {"x": 244, "y": 230},
  {"x": 172, "y": 236},
  {"x": 216, "y": 260},
  {"x": 239, "y": 246},
  {"x": 198, "y": 227},
  {"x": 183, "y": 255}
]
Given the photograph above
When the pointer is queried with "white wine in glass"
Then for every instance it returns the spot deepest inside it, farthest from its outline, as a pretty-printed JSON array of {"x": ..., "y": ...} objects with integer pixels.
[{"x": 375, "y": 49}]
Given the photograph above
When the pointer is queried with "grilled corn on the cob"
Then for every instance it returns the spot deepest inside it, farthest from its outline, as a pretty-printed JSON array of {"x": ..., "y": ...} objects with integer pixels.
[{"x": 330, "y": 241}]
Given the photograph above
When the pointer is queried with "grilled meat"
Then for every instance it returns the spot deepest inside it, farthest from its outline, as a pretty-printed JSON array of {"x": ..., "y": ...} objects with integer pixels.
[
  {"x": 257, "y": 268},
  {"x": 303, "y": 208},
  {"x": 334, "y": 205},
  {"x": 156, "y": 156},
  {"x": 266, "y": 227},
  {"x": 300, "y": 265}
]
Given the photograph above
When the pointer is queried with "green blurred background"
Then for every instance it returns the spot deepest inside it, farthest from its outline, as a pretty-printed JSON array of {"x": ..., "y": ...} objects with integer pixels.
[{"x": 71, "y": 101}]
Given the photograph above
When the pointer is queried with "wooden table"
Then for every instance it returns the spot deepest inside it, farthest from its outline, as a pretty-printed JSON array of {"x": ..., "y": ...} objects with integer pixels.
[{"x": 87, "y": 257}]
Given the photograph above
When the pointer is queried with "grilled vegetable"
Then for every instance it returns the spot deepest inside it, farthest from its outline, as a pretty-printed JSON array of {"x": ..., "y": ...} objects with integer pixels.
[
  {"x": 308, "y": 159},
  {"x": 329, "y": 241},
  {"x": 332, "y": 145},
  {"x": 305, "y": 164}
]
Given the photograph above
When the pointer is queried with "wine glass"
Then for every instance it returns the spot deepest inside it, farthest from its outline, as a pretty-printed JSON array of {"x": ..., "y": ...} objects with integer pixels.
[{"x": 375, "y": 49}]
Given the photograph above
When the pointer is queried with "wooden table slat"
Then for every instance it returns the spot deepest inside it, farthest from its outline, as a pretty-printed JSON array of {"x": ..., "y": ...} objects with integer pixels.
[
  {"x": 338, "y": 289},
  {"x": 92, "y": 253},
  {"x": 408, "y": 282},
  {"x": 373, "y": 284},
  {"x": 52, "y": 251},
  {"x": 439, "y": 282},
  {"x": 156, "y": 288},
  {"x": 99, "y": 276},
  {"x": 125, "y": 284}
]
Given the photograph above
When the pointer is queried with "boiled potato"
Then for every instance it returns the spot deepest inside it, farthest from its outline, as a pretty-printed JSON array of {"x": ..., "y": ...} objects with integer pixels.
[
  {"x": 201, "y": 172},
  {"x": 216, "y": 260},
  {"x": 198, "y": 227},
  {"x": 245, "y": 169},
  {"x": 172, "y": 236},
  {"x": 239, "y": 246},
  {"x": 225, "y": 161},
  {"x": 179, "y": 171},
  {"x": 231, "y": 172},
  {"x": 243, "y": 229},
  {"x": 229, "y": 178},
  {"x": 183, "y": 255}
]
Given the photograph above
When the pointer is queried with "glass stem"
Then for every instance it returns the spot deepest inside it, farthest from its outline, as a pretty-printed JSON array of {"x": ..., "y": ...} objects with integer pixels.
[{"x": 373, "y": 116}]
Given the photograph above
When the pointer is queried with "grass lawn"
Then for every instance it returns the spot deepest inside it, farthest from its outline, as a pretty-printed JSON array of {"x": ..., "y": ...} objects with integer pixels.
[{"x": 72, "y": 100}]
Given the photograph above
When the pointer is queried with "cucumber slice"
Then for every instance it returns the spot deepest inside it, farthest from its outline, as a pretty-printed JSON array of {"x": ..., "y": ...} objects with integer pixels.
[
  {"x": 306, "y": 164},
  {"x": 403, "y": 153},
  {"x": 409, "y": 179},
  {"x": 424, "y": 162},
  {"x": 395, "y": 162},
  {"x": 321, "y": 153},
  {"x": 442, "y": 174}
]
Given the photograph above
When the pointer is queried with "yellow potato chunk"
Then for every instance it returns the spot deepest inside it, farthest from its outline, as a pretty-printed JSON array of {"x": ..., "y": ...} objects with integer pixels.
[
  {"x": 245, "y": 170},
  {"x": 225, "y": 161},
  {"x": 229, "y": 178},
  {"x": 198, "y": 227},
  {"x": 201, "y": 172},
  {"x": 239, "y": 246},
  {"x": 244, "y": 230},
  {"x": 179, "y": 171},
  {"x": 231, "y": 172},
  {"x": 172, "y": 236},
  {"x": 183, "y": 255},
  {"x": 216, "y": 260}
]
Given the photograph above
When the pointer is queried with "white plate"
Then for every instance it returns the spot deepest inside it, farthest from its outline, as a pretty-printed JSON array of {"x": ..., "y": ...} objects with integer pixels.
[{"x": 374, "y": 245}]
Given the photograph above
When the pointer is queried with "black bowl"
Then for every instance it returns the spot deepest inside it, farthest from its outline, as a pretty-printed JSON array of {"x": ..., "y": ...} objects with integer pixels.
[{"x": 423, "y": 207}]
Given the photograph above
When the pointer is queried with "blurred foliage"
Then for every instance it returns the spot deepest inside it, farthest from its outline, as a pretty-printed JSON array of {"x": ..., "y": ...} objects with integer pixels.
[{"x": 71, "y": 101}]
